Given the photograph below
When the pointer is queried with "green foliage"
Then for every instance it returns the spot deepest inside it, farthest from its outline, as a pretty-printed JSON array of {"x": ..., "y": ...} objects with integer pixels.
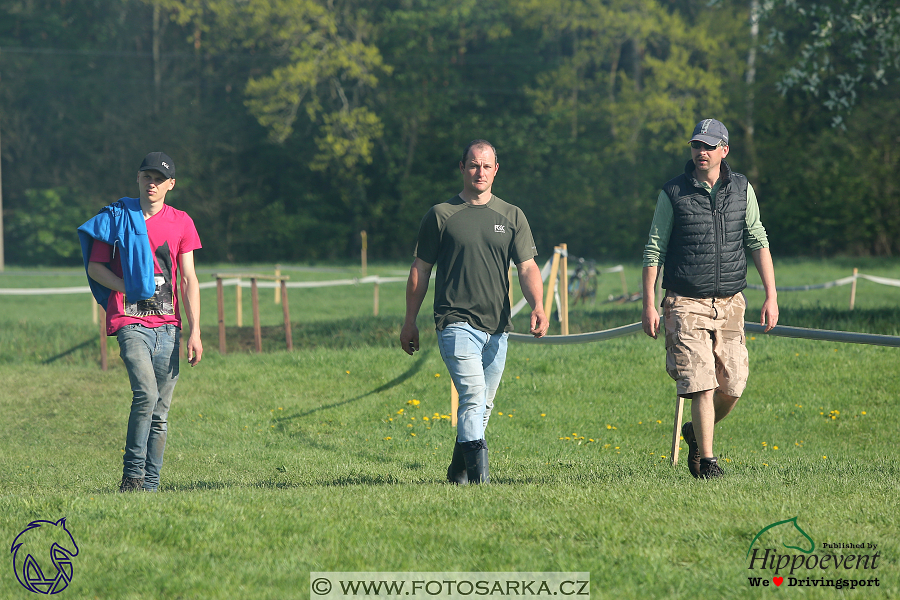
[
  {"x": 297, "y": 123},
  {"x": 841, "y": 49},
  {"x": 43, "y": 230}
]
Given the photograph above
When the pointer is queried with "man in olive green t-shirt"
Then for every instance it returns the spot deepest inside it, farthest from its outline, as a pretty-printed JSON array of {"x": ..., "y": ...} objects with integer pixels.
[{"x": 472, "y": 238}]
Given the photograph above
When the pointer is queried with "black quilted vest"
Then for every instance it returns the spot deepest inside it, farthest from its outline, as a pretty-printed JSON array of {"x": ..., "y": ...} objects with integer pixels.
[{"x": 705, "y": 257}]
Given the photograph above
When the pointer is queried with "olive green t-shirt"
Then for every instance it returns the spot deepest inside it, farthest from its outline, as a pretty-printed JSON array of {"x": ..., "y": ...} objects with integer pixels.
[{"x": 472, "y": 247}]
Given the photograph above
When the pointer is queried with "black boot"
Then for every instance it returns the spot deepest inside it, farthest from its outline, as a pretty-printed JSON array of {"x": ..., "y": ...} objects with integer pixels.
[
  {"x": 476, "y": 457},
  {"x": 456, "y": 472}
]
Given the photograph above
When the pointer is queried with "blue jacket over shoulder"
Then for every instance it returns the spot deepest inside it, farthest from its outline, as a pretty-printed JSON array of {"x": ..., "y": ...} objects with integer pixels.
[{"x": 121, "y": 224}]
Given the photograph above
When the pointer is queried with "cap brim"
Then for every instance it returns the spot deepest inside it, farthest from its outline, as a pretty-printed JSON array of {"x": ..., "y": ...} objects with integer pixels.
[
  {"x": 707, "y": 139},
  {"x": 157, "y": 169}
]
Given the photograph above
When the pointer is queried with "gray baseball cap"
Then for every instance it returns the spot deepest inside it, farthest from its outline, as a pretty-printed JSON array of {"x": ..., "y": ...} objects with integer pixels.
[{"x": 710, "y": 131}]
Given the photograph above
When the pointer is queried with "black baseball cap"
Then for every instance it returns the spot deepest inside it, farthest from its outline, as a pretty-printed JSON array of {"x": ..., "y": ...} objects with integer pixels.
[
  {"x": 159, "y": 161},
  {"x": 710, "y": 131}
]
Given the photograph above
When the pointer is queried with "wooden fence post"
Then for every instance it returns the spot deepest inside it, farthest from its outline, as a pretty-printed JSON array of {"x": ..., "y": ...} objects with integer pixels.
[
  {"x": 454, "y": 403},
  {"x": 220, "y": 300},
  {"x": 287, "y": 315},
  {"x": 277, "y": 288},
  {"x": 240, "y": 303},
  {"x": 551, "y": 281},
  {"x": 375, "y": 299},
  {"x": 564, "y": 291},
  {"x": 104, "y": 361},
  {"x": 365, "y": 244},
  {"x": 257, "y": 332},
  {"x": 676, "y": 429},
  {"x": 853, "y": 289}
]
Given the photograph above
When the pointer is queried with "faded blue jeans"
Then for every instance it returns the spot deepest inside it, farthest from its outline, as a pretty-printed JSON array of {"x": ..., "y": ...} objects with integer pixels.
[
  {"x": 475, "y": 360},
  {"x": 151, "y": 359}
]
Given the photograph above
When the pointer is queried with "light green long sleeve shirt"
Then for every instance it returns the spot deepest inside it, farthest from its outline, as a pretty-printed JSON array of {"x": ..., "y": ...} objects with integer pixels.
[{"x": 661, "y": 227}]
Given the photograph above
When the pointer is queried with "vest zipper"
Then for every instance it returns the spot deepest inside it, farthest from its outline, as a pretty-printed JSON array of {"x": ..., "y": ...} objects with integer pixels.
[{"x": 716, "y": 234}]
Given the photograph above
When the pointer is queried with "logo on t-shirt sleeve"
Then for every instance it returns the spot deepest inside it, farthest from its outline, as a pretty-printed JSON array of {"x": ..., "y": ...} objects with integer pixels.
[{"x": 163, "y": 300}]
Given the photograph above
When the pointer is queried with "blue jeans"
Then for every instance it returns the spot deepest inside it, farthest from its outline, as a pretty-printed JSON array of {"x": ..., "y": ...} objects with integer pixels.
[
  {"x": 475, "y": 360},
  {"x": 151, "y": 359}
]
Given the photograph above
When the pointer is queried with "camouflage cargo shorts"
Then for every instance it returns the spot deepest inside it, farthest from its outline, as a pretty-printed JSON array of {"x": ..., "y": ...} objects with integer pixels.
[{"x": 705, "y": 344}]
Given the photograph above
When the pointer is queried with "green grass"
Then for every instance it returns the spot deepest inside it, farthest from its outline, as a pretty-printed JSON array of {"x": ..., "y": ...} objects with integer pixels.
[{"x": 278, "y": 464}]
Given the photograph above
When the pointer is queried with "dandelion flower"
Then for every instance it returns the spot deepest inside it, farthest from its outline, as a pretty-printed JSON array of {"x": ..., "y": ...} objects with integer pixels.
[
  {"x": 545, "y": 414},
  {"x": 388, "y": 438},
  {"x": 500, "y": 413},
  {"x": 437, "y": 374},
  {"x": 775, "y": 447},
  {"x": 400, "y": 412},
  {"x": 863, "y": 412}
]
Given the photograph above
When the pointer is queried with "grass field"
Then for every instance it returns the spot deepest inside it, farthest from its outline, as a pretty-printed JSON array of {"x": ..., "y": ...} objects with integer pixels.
[{"x": 332, "y": 457}]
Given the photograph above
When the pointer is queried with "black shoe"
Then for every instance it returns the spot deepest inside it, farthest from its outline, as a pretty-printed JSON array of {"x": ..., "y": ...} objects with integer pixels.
[
  {"x": 710, "y": 469},
  {"x": 693, "y": 461},
  {"x": 131, "y": 484},
  {"x": 477, "y": 465},
  {"x": 456, "y": 472}
]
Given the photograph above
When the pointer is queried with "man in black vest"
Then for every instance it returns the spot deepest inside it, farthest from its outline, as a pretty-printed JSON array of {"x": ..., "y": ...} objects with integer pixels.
[{"x": 705, "y": 220}]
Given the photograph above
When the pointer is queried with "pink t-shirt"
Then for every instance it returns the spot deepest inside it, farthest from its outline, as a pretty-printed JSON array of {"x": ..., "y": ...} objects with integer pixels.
[{"x": 172, "y": 233}]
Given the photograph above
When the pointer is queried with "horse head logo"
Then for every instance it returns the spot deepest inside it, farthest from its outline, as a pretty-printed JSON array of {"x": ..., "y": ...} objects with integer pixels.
[
  {"x": 793, "y": 521},
  {"x": 44, "y": 539}
]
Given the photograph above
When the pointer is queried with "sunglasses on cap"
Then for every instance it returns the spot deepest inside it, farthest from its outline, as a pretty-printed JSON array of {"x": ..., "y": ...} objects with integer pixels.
[{"x": 697, "y": 145}]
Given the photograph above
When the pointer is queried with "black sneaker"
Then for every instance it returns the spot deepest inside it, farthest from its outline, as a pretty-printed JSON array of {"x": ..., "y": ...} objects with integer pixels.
[
  {"x": 710, "y": 469},
  {"x": 693, "y": 461},
  {"x": 131, "y": 484}
]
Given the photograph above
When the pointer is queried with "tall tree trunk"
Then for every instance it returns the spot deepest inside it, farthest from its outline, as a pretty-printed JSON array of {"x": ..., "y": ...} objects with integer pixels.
[{"x": 752, "y": 168}]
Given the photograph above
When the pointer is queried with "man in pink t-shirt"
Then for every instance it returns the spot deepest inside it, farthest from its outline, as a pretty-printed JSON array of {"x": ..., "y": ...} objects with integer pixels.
[{"x": 149, "y": 330}]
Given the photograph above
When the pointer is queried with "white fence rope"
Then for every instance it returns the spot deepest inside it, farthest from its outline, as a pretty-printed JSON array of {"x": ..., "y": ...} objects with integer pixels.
[
  {"x": 243, "y": 282},
  {"x": 830, "y": 284},
  {"x": 779, "y": 331}
]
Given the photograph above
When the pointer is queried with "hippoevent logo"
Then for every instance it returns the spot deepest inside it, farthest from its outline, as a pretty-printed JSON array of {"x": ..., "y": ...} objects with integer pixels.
[
  {"x": 39, "y": 549},
  {"x": 814, "y": 565}
]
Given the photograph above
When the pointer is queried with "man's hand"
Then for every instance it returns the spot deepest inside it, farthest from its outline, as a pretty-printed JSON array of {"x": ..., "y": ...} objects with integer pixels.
[
  {"x": 649, "y": 317},
  {"x": 409, "y": 338},
  {"x": 194, "y": 349},
  {"x": 769, "y": 314},
  {"x": 539, "y": 322},
  {"x": 650, "y": 321}
]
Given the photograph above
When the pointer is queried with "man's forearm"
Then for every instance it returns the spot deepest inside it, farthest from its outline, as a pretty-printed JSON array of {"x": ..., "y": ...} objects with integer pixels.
[
  {"x": 648, "y": 280},
  {"x": 762, "y": 258},
  {"x": 105, "y": 277},
  {"x": 190, "y": 294},
  {"x": 531, "y": 284},
  {"x": 416, "y": 290}
]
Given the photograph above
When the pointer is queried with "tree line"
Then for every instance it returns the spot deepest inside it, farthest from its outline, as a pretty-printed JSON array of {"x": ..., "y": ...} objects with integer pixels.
[{"x": 295, "y": 124}]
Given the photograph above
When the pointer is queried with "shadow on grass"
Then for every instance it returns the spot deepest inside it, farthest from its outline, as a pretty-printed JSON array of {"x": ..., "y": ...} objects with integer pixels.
[
  {"x": 84, "y": 344},
  {"x": 415, "y": 368}
]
